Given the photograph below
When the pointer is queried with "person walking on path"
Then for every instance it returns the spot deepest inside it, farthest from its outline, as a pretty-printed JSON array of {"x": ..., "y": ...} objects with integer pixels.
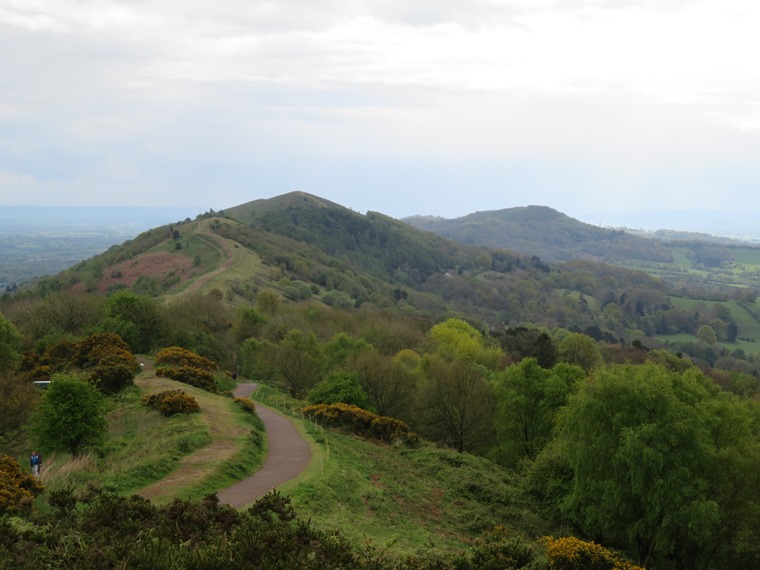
[{"x": 36, "y": 462}]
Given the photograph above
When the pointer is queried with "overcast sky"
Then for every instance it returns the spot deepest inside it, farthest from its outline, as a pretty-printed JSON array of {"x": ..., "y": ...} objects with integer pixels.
[{"x": 593, "y": 107}]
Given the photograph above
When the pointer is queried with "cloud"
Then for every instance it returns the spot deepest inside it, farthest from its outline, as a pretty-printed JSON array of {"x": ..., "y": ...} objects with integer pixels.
[{"x": 579, "y": 102}]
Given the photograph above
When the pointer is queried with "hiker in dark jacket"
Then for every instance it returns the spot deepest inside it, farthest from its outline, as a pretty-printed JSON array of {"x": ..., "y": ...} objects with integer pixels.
[{"x": 36, "y": 462}]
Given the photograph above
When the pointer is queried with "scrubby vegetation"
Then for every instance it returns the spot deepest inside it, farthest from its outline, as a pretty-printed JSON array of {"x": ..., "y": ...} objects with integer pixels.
[
  {"x": 361, "y": 422},
  {"x": 170, "y": 402}
]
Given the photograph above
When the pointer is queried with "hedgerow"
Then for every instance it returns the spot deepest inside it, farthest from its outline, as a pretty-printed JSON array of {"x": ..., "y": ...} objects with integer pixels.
[{"x": 362, "y": 422}]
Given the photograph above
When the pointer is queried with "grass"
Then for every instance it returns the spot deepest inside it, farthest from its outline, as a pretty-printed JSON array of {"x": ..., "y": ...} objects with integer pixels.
[
  {"x": 748, "y": 325},
  {"x": 425, "y": 499},
  {"x": 179, "y": 456},
  {"x": 141, "y": 447}
]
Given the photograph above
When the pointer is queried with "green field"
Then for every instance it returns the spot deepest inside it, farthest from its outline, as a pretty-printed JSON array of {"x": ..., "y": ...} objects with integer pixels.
[{"x": 748, "y": 326}]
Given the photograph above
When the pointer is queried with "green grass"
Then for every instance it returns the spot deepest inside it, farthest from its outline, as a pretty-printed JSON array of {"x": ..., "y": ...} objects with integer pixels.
[
  {"x": 417, "y": 500},
  {"x": 748, "y": 326},
  {"x": 141, "y": 447}
]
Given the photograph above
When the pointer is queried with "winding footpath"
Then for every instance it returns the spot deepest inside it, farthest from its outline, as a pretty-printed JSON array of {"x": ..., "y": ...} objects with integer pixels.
[{"x": 288, "y": 456}]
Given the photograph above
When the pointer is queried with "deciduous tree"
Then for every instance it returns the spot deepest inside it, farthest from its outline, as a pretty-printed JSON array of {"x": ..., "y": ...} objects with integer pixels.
[
  {"x": 459, "y": 405},
  {"x": 528, "y": 399},
  {"x": 69, "y": 416}
]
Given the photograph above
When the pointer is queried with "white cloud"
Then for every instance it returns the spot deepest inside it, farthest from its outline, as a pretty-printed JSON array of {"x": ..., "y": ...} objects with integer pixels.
[{"x": 127, "y": 96}]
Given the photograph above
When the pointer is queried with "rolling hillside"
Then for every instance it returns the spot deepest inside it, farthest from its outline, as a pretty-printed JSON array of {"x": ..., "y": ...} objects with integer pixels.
[
  {"x": 304, "y": 248},
  {"x": 547, "y": 233}
]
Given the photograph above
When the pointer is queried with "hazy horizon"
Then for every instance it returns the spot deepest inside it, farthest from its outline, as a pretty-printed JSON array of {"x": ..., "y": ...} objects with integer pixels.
[{"x": 134, "y": 218}]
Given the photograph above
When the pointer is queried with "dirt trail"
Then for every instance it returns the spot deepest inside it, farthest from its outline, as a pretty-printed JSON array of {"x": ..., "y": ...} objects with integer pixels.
[
  {"x": 200, "y": 463},
  {"x": 231, "y": 255},
  {"x": 289, "y": 454}
]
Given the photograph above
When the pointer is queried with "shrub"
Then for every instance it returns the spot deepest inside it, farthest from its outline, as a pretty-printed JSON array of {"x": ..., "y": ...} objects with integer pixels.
[
  {"x": 178, "y": 356},
  {"x": 93, "y": 348},
  {"x": 247, "y": 404},
  {"x": 109, "y": 363},
  {"x": 17, "y": 487},
  {"x": 570, "y": 553},
  {"x": 170, "y": 402},
  {"x": 190, "y": 375},
  {"x": 362, "y": 422},
  {"x": 498, "y": 548},
  {"x": 69, "y": 416}
]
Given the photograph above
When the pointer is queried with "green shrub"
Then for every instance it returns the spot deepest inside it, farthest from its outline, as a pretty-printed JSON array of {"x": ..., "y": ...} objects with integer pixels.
[
  {"x": 342, "y": 387},
  {"x": 170, "y": 402}
]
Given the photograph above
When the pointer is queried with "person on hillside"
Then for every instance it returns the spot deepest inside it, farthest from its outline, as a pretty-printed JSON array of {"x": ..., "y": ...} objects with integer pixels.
[{"x": 36, "y": 462}]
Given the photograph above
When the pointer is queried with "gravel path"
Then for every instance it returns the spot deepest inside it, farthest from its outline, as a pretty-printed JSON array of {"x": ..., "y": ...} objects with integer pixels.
[{"x": 288, "y": 456}]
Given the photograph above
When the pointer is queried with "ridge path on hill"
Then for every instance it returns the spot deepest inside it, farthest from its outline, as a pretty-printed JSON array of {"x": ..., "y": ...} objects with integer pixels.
[{"x": 289, "y": 454}]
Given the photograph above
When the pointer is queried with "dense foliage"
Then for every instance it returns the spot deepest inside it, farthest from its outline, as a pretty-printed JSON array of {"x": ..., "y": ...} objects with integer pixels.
[{"x": 69, "y": 416}]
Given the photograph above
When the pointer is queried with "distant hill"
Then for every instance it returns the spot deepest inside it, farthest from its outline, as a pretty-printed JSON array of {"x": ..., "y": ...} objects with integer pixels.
[{"x": 547, "y": 233}]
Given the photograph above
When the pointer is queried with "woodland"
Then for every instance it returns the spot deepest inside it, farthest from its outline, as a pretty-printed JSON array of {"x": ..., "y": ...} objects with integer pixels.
[{"x": 590, "y": 415}]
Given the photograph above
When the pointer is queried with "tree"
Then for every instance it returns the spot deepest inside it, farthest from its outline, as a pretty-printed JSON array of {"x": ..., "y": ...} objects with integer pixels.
[
  {"x": 136, "y": 318},
  {"x": 455, "y": 339},
  {"x": 707, "y": 334},
  {"x": 268, "y": 302},
  {"x": 10, "y": 342},
  {"x": 339, "y": 387},
  {"x": 294, "y": 364},
  {"x": 460, "y": 405},
  {"x": 581, "y": 350},
  {"x": 69, "y": 416},
  {"x": 248, "y": 323},
  {"x": 732, "y": 331},
  {"x": 340, "y": 348},
  {"x": 663, "y": 464},
  {"x": 390, "y": 386},
  {"x": 17, "y": 398},
  {"x": 528, "y": 399}
]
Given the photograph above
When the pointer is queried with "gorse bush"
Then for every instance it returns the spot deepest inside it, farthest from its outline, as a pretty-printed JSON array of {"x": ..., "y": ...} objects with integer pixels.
[
  {"x": 17, "y": 487},
  {"x": 362, "y": 422},
  {"x": 247, "y": 404},
  {"x": 105, "y": 358},
  {"x": 190, "y": 375},
  {"x": 570, "y": 553},
  {"x": 171, "y": 402},
  {"x": 178, "y": 356}
]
